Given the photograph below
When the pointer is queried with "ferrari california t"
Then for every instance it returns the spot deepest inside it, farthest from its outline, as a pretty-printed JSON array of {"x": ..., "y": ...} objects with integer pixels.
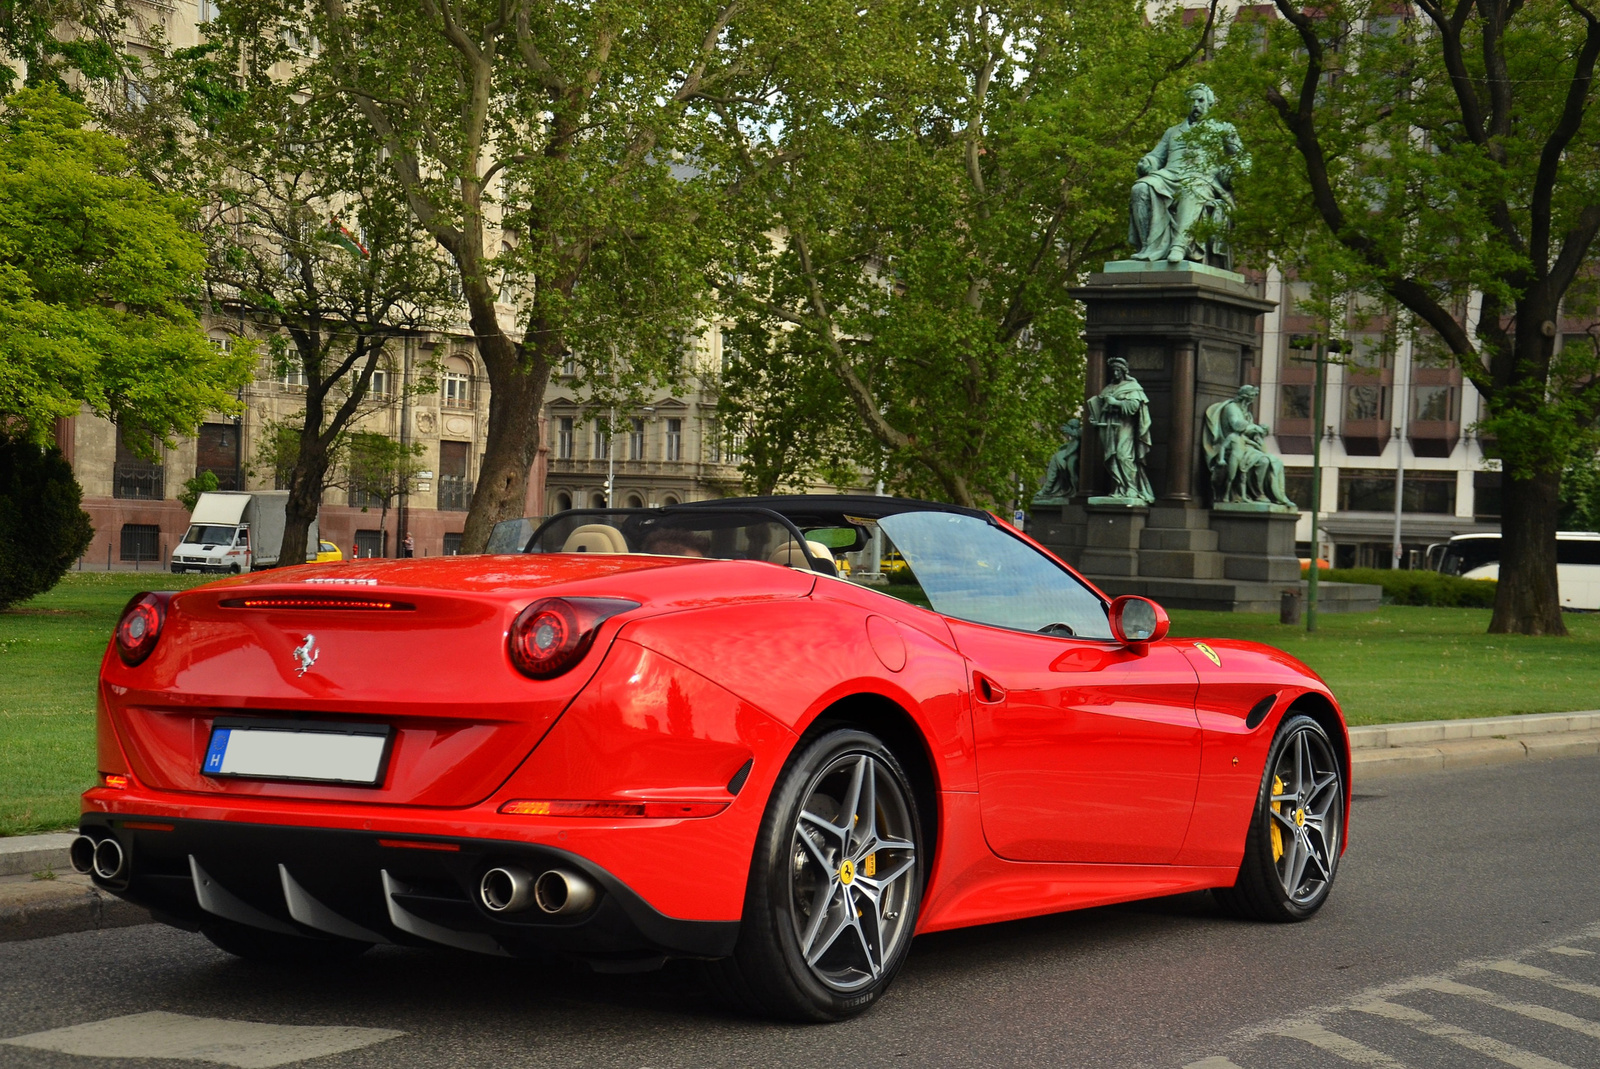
[{"x": 678, "y": 732}]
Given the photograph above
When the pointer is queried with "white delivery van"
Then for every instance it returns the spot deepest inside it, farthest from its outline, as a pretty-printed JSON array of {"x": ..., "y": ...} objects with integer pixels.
[{"x": 231, "y": 532}]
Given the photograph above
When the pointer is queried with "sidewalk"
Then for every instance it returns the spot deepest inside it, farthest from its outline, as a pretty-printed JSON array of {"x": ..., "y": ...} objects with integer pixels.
[{"x": 63, "y": 901}]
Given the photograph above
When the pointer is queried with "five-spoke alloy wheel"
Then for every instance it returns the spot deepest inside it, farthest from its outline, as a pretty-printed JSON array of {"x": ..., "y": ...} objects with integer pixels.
[
  {"x": 1292, "y": 849},
  {"x": 835, "y": 886}
]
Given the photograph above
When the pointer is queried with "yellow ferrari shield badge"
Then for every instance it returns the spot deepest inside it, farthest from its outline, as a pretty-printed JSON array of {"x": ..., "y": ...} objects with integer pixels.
[
  {"x": 847, "y": 872},
  {"x": 1209, "y": 652}
]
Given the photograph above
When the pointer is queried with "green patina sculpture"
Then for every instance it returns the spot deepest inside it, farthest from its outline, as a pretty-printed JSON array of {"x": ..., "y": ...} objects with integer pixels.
[
  {"x": 1242, "y": 471},
  {"x": 1061, "y": 474},
  {"x": 1121, "y": 414},
  {"x": 1182, "y": 181}
]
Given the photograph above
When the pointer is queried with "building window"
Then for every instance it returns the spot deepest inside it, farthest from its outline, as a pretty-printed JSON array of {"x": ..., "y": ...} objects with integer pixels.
[
  {"x": 635, "y": 501},
  {"x": 1366, "y": 491},
  {"x": 669, "y": 501},
  {"x": 1433, "y": 403},
  {"x": 141, "y": 542},
  {"x": 636, "y": 439},
  {"x": 455, "y": 491},
  {"x": 455, "y": 387},
  {"x": 564, "y": 439},
  {"x": 1294, "y": 402},
  {"x": 730, "y": 351},
  {"x": 1486, "y": 496},
  {"x": 569, "y": 366},
  {"x": 134, "y": 477},
  {"x": 602, "y": 441},
  {"x": 217, "y": 451},
  {"x": 674, "y": 439},
  {"x": 1432, "y": 492},
  {"x": 1366, "y": 403},
  {"x": 597, "y": 500},
  {"x": 736, "y": 447},
  {"x": 561, "y": 502},
  {"x": 1297, "y": 482},
  {"x": 379, "y": 385},
  {"x": 294, "y": 373},
  {"x": 452, "y": 543}
]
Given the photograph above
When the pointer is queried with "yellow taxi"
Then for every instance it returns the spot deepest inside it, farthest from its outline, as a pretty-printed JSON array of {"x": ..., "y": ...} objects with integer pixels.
[{"x": 325, "y": 553}]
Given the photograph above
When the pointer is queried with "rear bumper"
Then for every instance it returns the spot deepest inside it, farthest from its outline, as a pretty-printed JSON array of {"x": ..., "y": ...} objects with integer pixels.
[{"x": 418, "y": 890}]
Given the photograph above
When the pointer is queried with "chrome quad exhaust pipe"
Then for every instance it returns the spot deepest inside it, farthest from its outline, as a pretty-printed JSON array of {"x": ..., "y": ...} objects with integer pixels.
[
  {"x": 557, "y": 892},
  {"x": 81, "y": 853},
  {"x": 109, "y": 860}
]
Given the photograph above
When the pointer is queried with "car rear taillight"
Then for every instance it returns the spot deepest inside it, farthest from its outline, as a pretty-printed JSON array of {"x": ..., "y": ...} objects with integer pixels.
[
  {"x": 552, "y": 635},
  {"x": 140, "y": 626}
]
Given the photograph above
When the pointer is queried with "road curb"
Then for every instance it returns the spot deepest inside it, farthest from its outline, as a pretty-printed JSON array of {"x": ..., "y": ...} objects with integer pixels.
[
  {"x": 34, "y": 909},
  {"x": 1434, "y": 746}
]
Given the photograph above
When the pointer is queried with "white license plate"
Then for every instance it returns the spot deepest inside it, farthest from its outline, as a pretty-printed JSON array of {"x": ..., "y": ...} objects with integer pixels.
[{"x": 298, "y": 750}]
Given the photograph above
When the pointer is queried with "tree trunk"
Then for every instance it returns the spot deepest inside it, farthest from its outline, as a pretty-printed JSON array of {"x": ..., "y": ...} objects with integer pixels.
[
  {"x": 517, "y": 388},
  {"x": 1528, "y": 601},
  {"x": 305, "y": 501}
]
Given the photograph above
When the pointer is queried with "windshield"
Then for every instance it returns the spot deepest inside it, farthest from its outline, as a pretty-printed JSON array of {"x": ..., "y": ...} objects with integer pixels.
[
  {"x": 731, "y": 534},
  {"x": 1464, "y": 555},
  {"x": 973, "y": 570},
  {"x": 209, "y": 534}
]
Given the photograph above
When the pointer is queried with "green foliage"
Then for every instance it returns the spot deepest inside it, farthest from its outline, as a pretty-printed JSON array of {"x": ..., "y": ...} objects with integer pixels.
[
  {"x": 379, "y": 467},
  {"x": 1580, "y": 494},
  {"x": 914, "y": 187},
  {"x": 1418, "y": 587},
  {"x": 28, "y": 35},
  {"x": 96, "y": 269},
  {"x": 42, "y": 529},
  {"x": 203, "y": 483}
]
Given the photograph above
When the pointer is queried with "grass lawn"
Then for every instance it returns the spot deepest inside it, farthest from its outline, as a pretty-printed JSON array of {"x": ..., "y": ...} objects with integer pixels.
[
  {"x": 1408, "y": 662},
  {"x": 1402, "y": 663},
  {"x": 50, "y": 652}
]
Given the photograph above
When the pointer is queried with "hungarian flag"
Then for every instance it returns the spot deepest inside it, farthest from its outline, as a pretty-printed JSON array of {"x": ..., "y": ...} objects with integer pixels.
[{"x": 340, "y": 235}]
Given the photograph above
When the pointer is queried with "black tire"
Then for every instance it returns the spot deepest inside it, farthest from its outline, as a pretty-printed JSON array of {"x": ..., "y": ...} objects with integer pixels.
[
  {"x": 768, "y": 974},
  {"x": 271, "y": 948},
  {"x": 1291, "y": 852}
]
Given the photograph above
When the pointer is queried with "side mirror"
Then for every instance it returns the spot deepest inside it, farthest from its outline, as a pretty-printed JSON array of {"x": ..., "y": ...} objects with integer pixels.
[{"x": 1137, "y": 620}]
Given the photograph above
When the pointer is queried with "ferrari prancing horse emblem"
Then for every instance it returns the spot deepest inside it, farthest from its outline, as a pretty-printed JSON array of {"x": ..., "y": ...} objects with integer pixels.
[
  {"x": 305, "y": 655},
  {"x": 1209, "y": 652}
]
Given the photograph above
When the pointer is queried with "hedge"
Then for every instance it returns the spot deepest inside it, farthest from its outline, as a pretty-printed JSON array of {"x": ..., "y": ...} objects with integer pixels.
[{"x": 1402, "y": 587}]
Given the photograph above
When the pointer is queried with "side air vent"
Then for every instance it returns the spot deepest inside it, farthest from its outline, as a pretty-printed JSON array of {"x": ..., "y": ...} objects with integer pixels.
[
  {"x": 301, "y": 603},
  {"x": 1259, "y": 711}
]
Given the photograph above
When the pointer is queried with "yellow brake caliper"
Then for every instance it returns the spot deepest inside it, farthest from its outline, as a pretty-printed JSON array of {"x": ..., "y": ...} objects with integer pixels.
[{"x": 1277, "y": 807}]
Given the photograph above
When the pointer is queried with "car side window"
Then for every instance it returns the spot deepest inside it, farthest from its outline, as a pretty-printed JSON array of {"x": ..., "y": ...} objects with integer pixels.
[{"x": 973, "y": 570}]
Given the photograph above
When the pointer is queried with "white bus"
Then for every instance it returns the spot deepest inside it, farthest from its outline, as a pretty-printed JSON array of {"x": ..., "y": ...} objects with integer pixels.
[{"x": 1477, "y": 556}]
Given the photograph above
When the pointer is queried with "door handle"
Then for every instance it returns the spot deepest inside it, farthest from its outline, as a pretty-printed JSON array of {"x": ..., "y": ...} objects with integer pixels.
[{"x": 986, "y": 691}]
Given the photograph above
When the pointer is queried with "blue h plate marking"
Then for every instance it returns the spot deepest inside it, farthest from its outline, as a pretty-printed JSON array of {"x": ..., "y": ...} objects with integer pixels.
[{"x": 219, "y": 747}]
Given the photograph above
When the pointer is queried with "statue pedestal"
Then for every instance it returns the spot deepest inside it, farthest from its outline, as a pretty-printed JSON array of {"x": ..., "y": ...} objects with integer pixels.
[
  {"x": 1063, "y": 529},
  {"x": 1111, "y": 539},
  {"x": 1178, "y": 543},
  {"x": 1256, "y": 545}
]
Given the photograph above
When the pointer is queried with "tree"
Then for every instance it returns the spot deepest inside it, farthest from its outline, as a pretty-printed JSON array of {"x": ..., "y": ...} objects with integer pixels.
[
  {"x": 97, "y": 275},
  {"x": 918, "y": 185},
  {"x": 377, "y": 466},
  {"x": 1446, "y": 156},
  {"x": 548, "y": 150},
  {"x": 308, "y": 238},
  {"x": 93, "y": 51},
  {"x": 42, "y": 529}
]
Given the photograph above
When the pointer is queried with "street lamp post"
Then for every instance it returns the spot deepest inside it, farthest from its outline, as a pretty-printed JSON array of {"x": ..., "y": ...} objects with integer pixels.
[{"x": 1319, "y": 397}]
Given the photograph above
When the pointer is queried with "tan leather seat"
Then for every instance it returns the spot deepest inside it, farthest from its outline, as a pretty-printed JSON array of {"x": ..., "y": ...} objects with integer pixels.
[
  {"x": 595, "y": 538},
  {"x": 791, "y": 554}
]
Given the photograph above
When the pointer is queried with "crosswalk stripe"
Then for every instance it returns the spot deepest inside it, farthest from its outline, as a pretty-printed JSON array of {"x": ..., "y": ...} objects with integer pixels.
[
  {"x": 1428, "y": 1025},
  {"x": 1211, "y": 1063},
  {"x": 1342, "y": 1046},
  {"x": 1559, "y": 1018},
  {"x": 1572, "y": 952},
  {"x": 1533, "y": 972}
]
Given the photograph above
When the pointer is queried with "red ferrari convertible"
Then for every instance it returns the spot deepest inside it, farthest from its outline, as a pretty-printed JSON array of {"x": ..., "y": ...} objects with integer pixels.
[{"x": 678, "y": 732}]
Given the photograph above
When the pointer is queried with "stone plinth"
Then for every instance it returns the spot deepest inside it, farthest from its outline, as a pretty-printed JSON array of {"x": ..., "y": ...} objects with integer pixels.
[
  {"x": 1257, "y": 546},
  {"x": 1111, "y": 539},
  {"x": 1178, "y": 543}
]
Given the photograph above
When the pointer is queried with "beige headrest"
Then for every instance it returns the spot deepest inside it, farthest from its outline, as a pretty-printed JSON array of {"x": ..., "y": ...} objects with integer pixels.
[
  {"x": 595, "y": 538},
  {"x": 791, "y": 554}
]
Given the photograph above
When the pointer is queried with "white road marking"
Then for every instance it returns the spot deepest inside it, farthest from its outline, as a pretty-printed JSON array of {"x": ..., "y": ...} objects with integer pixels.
[
  {"x": 1212, "y": 1063},
  {"x": 1517, "y": 968},
  {"x": 1559, "y": 1018},
  {"x": 1342, "y": 1046},
  {"x": 244, "y": 1044},
  {"x": 1572, "y": 952},
  {"x": 1431, "y": 1026}
]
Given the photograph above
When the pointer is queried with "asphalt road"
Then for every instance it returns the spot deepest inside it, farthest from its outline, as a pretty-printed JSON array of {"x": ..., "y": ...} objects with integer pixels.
[{"x": 1464, "y": 931}]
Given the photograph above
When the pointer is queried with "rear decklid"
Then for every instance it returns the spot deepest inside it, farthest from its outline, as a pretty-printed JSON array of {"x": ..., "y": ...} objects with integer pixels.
[{"x": 418, "y": 646}]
